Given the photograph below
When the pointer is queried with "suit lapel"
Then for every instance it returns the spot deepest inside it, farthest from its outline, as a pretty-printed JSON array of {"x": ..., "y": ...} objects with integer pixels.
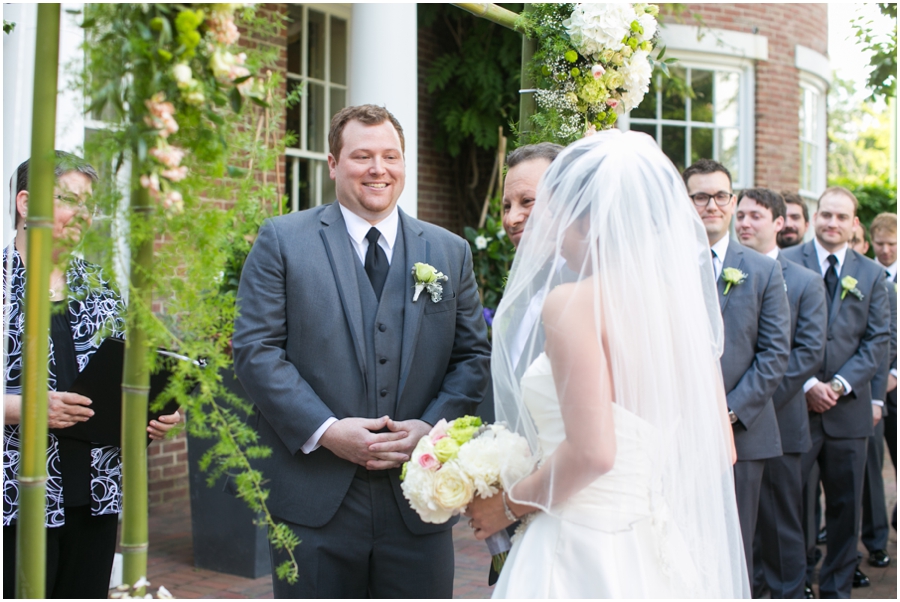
[
  {"x": 734, "y": 258},
  {"x": 341, "y": 256},
  {"x": 417, "y": 250}
]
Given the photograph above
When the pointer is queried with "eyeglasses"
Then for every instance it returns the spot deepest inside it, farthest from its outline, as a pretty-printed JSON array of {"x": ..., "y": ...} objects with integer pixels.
[
  {"x": 701, "y": 199},
  {"x": 83, "y": 203}
]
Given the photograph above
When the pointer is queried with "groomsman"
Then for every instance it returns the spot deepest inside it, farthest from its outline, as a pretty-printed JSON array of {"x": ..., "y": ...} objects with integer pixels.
[
  {"x": 839, "y": 397},
  {"x": 796, "y": 220},
  {"x": 779, "y": 547},
  {"x": 757, "y": 321},
  {"x": 884, "y": 240}
]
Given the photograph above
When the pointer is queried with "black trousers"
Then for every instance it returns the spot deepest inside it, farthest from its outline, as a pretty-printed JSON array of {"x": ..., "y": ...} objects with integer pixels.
[
  {"x": 875, "y": 527},
  {"x": 79, "y": 556},
  {"x": 748, "y": 476},
  {"x": 366, "y": 551}
]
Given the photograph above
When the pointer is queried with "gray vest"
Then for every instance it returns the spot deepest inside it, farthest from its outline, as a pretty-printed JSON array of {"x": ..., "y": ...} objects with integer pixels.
[{"x": 383, "y": 328}]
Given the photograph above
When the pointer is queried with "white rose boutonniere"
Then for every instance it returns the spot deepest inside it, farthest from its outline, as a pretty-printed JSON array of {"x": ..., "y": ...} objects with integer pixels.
[
  {"x": 848, "y": 283},
  {"x": 428, "y": 278},
  {"x": 732, "y": 276}
]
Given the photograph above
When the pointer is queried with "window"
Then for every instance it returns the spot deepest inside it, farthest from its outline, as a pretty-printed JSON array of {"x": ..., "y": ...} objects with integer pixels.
[
  {"x": 714, "y": 124},
  {"x": 318, "y": 43},
  {"x": 811, "y": 129}
]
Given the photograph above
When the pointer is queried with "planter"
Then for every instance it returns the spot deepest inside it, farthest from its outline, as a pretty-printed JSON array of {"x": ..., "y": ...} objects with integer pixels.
[{"x": 225, "y": 534}]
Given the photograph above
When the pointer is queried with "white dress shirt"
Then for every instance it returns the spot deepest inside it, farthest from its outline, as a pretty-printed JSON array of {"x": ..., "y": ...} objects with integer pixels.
[
  {"x": 891, "y": 269},
  {"x": 357, "y": 228},
  {"x": 822, "y": 255},
  {"x": 720, "y": 249},
  {"x": 773, "y": 254}
]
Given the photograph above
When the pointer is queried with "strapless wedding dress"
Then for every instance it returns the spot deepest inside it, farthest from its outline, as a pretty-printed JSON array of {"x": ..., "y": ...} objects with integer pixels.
[{"x": 614, "y": 538}]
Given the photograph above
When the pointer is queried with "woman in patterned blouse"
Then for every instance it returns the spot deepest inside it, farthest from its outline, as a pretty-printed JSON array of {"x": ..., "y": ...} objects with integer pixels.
[{"x": 84, "y": 481}]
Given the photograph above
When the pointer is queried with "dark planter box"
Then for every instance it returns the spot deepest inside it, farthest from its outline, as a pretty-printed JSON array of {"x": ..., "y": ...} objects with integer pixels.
[{"x": 226, "y": 538}]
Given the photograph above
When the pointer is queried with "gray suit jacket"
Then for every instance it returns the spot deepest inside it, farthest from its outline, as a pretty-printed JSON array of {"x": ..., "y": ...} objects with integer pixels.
[
  {"x": 809, "y": 319},
  {"x": 757, "y": 345},
  {"x": 889, "y": 361},
  {"x": 299, "y": 351},
  {"x": 857, "y": 339}
]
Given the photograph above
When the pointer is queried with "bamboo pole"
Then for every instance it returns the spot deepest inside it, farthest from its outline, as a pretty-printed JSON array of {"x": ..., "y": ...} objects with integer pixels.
[
  {"x": 491, "y": 12},
  {"x": 527, "y": 105},
  {"x": 135, "y": 392},
  {"x": 31, "y": 545}
]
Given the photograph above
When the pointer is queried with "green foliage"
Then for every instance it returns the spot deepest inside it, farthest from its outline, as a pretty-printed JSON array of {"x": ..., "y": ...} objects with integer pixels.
[
  {"x": 874, "y": 196},
  {"x": 859, "y": 135},
  {"x": 882, "y": 80},
  {"x": 8, "y": 26},
  {"x": 202, "y": 240},
  {"x": 492, "y": 255}
]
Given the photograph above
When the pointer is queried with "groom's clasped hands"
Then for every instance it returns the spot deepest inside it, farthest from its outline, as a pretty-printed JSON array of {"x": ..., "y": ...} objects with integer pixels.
[{"x": 364, "y": 441}]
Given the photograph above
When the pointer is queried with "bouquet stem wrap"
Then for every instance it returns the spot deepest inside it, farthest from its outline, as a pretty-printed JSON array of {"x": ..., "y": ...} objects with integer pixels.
[{"x": 498, "y": 545}]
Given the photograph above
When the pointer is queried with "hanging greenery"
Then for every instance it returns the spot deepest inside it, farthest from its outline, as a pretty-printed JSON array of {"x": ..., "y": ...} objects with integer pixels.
[{"x": 198, "y": 121}]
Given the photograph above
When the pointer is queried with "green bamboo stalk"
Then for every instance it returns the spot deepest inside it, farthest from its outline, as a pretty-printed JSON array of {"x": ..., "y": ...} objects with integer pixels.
[
  {"x": 135, "y": 392},
  {"x": 527, "y": 106},
  {"x": 31, "y": 545},
  {"x": 491, "y": 12}
]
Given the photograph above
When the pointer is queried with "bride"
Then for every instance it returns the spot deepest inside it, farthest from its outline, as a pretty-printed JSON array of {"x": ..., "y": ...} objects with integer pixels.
[{"x": 618, "y": 389}]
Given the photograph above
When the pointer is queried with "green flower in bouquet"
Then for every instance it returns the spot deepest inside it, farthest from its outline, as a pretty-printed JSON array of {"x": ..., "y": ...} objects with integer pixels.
[
  {"x": 446, "y": 449},
  {"x": 464, "y": 428}
]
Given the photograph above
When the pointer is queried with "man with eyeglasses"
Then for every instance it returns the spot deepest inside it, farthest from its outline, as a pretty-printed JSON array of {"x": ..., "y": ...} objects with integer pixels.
[{"x": 757, "y": 321}]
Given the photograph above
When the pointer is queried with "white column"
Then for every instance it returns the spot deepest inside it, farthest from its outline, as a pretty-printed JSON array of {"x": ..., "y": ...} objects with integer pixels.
[{"x": 384, "y": 71}]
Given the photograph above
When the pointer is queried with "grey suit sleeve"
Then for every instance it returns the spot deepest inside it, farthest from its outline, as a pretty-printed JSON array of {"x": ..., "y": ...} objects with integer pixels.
[
  {"x": 260, "y": 333},
  {"x": 862, "y": 365},
  {"x": 467, "y": 377},
  {"x": 808, "y": 346},
  {"x": 773, "y": 347},
  {"x": 879, "y": 381}
]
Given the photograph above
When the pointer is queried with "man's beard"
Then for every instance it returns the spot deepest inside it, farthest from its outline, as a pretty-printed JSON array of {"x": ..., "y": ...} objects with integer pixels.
[{"x": 784, "y": 244}]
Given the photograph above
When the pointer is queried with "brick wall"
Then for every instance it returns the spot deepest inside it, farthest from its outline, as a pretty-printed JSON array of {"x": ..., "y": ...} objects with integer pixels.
[
  {"x": 777, "y": 96},
  {"x": 167, "y": 460}
]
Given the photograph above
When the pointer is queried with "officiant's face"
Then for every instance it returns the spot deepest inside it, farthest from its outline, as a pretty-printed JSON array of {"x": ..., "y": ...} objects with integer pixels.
[
  {"x": 519, "y": 192},
  {"x": 370, "y": 172}
]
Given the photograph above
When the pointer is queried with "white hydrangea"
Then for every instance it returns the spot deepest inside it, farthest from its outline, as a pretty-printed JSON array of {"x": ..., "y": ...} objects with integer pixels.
[
  {"x": 593, "y": 28},
  {"x": 637, "y": 74},
  {"x": 418, "y": 488},
  {"x": 481, "y": 459}
]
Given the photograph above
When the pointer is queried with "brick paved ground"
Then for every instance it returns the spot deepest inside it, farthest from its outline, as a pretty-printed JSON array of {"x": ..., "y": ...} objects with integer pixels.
[{"x": 171, "y": 560}]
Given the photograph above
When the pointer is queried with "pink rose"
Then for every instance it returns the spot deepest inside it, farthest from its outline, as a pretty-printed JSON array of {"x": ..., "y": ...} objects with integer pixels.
[
  {"x": 438, "y": 431},
  {"x": 429, "y": 462},
  {"x": 597, "y": 71},
  {"x": 175, "y": 174},
  {"x": 612, "y": 103}
]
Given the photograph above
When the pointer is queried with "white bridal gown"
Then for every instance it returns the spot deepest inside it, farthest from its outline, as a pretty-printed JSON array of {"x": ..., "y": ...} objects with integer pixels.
[{"x": 612, "y": 539}]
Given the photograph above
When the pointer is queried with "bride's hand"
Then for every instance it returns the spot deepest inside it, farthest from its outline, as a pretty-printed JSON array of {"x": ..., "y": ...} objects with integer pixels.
[{"x": 486, "y": 515}]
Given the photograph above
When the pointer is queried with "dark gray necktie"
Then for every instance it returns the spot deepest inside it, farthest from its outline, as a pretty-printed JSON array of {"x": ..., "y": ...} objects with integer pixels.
[
  {"x": 831, "y": 277},
  {"x": 376, "y": 262},
  {"x": 714, "y": 257}
]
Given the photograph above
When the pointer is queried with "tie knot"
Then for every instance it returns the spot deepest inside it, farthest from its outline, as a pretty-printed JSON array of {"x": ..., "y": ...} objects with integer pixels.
[
  {"x": 373, "y": 235},
  {"x": 832, "y": 260}
]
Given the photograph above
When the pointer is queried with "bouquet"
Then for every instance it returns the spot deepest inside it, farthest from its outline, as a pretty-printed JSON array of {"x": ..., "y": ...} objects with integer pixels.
[{"x": 458, "y": 460}]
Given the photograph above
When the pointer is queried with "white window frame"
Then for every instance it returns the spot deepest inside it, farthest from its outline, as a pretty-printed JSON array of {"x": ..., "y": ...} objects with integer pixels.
[
  {"x": 295, "y": 154},
  {"x": 812, "y": 190},
  {"x": 746, "y": 99}
]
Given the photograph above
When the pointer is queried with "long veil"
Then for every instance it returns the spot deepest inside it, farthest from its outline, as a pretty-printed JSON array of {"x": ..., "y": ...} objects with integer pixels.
[{"x": 613, "y": 216}]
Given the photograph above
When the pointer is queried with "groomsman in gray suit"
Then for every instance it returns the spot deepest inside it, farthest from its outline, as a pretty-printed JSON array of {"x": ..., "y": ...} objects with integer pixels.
[
  {"x": 839, "y": 396},
  {"x": 757, "y": 338},
  {"x": 348, "y": 371},
  {"x": 779, "y": 548}
]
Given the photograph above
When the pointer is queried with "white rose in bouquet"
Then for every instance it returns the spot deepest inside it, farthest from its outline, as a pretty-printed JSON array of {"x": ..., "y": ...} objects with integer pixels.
[
  {"x": 452, "y": 487},
  {"x": 418, "y": 488}
]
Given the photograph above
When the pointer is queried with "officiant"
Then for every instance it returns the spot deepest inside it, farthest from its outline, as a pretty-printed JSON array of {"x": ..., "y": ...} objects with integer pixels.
[{"x": 84, "y": 482}]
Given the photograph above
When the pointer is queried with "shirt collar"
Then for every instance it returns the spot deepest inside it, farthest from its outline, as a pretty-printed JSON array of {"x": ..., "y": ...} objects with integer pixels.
[
  {"x": 773, "y": 253},
  {"x": 721, "y": 247},
  {"x": 822, "y": 253},
  {"x": 357, "y": 227},
  {"x": 891, "y": 269}
]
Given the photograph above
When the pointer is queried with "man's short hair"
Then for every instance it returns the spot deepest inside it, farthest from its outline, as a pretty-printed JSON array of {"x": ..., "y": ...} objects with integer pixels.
[
  {"x": 795, "y": 199},
  {"x": 865, "y": 233},
  {"x": 766, "y": 197},
  {"x": 884, "y": 222},
  {"x": 705, "y": 166},
  {"x": 63, "y": 164},
  {"x": 529, "y": 152},
  {"x": 839, "y": 190},
  {"x": 365, "y": 114}
]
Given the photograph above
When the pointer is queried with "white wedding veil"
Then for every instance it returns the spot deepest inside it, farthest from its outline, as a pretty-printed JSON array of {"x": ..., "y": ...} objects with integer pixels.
[{"x": 613, "y": 230}]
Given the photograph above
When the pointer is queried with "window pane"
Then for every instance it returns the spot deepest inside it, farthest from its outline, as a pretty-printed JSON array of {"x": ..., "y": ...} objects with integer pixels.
[
  {"x": 672, "y": 99},
  {"x": 302, "y": 186},
  {"x": 316, "y": 44},
  {"x": 295, "y": 39},
  {"x": 673, "y": 145},
  {"x": 728, "y": 86},
  {"x": 315, "y": 115},
  {"x": 647, "y": 108},
  {"x": 702, "y": 103},
  {"x": 338, "y": 51},
  {"x": 293, "y": 115},
  {"x": 328, "y": 194},
  {"x": 812, "y": 105},
  {"x": 647, "y": 128},
  {"x": 729, "y": 151},
  {"x": 701, "y": 144},
  {"x": 338, "y": 101}
]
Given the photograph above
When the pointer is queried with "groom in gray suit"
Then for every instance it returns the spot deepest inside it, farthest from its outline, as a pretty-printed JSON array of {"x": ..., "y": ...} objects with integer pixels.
[
  {"x": 839, "y": 396},
  {"x": 779, "y": 547},
  {"x": 757, "y": 344},
  {"x": 347, "y": 371}
]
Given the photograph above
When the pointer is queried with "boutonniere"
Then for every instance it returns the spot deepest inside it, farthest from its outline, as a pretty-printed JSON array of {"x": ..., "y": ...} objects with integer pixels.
[
  {"x": 429, "y": 279},
  {"x": 848, "y": 283},
  {"x": 732, "y": 276}
]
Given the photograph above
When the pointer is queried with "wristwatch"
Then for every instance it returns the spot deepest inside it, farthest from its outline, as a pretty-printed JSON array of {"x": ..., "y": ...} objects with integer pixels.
[
  {"x": 837, "y": 386},
  {"x": 732, "y": 416}
]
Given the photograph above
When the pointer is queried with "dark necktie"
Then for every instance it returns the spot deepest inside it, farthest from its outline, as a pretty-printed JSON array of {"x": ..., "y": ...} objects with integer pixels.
[
  {"x": 714, "y": 257},
  {"x": 376, "y": 262},
  {"x": 831, "y": 277}
]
